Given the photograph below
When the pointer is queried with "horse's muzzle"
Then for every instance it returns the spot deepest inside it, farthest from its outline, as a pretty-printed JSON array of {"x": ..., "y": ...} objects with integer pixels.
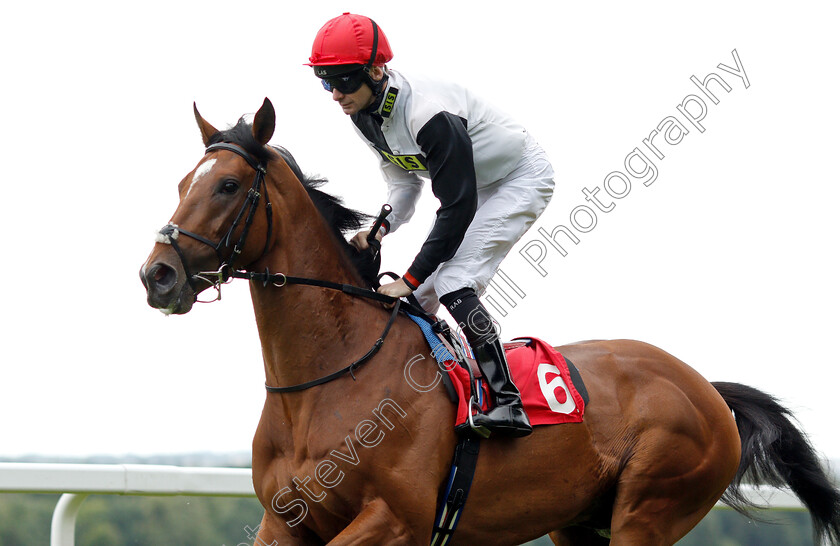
[{"x": 164, "y": 290}]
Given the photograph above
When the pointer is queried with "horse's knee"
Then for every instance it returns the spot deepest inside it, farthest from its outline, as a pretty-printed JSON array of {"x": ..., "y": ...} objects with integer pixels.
[{"x": 375, "y": 524}]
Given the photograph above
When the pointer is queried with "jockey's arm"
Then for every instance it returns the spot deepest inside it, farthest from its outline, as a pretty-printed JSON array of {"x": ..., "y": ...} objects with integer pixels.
[
  {"x": 403, "y": 192},
  {"x": 448, "y": 150}
]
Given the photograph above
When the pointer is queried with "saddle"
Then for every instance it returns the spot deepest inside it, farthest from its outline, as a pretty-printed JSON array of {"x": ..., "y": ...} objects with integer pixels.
[{"x": 551, "y": 387}]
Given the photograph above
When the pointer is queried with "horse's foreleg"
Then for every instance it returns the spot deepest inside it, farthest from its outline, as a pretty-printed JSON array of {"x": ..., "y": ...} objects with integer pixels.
[
  {"x": 376, "y": 524},
  {"x": 275, "y": 532}
]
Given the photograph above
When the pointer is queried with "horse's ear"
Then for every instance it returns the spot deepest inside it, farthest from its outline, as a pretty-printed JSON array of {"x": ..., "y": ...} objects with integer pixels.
[
  {"x": 264, "y": 119},
  {"x": 206, "y": 129}
]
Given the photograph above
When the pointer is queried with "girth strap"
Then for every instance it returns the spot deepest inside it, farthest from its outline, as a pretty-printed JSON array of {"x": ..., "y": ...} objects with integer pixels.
[{"x": 454, "y": 496}]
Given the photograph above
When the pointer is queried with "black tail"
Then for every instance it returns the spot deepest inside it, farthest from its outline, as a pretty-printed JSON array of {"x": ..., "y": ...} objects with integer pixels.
[{"x": 775, "y": 452}]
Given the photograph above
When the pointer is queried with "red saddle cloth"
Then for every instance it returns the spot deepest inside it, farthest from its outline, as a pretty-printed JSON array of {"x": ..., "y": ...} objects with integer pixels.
[{"x": 543, "y": 379}]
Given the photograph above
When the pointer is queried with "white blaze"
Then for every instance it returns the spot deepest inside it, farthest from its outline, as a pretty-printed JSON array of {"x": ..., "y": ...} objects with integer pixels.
[{"x": 200, "y": 171}]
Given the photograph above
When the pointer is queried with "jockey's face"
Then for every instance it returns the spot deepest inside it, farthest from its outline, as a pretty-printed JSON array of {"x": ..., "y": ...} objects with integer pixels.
[{"x": 352, "y": 103}]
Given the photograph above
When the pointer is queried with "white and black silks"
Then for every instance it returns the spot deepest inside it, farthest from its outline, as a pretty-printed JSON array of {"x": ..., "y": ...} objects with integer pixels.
[{"x": 492, "y": 179}]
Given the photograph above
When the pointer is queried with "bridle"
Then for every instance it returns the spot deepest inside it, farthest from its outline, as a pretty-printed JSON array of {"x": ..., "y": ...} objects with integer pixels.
[{"x": 169, "y": 234}]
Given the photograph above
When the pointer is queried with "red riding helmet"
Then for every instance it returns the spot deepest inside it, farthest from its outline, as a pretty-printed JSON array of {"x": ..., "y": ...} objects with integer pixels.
[{"x": 350, "y": 40}]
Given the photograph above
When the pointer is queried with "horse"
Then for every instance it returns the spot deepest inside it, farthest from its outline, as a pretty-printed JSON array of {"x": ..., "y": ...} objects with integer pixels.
[{"x": 360, "y": 457}]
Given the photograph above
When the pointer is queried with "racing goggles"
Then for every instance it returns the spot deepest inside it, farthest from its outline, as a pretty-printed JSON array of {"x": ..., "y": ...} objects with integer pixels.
[{"x": 345, "y": 83}]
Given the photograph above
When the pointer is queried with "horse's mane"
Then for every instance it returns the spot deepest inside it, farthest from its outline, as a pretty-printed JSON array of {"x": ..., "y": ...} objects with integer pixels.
[{"x": 339, "y": 218}]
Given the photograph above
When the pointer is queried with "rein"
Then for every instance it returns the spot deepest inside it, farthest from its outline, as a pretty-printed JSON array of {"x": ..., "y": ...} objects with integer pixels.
[
  {"x": 349, "y": 369},
  {"x": 226, "y": 272},
  {"x": 280, "y": 280}
]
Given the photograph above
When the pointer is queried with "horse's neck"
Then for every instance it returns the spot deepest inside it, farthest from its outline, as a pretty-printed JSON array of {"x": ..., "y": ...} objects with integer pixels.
[{"x": 308, "y": 332}]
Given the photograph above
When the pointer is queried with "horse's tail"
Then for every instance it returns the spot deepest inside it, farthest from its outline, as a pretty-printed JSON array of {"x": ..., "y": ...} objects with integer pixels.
[{"x": 775, "y": 452}]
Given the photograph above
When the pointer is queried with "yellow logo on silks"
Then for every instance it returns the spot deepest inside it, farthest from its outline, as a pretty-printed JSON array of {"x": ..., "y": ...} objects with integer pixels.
[
  {"x": 406, "y": 162},
  {"x": 390, "y": 99}
]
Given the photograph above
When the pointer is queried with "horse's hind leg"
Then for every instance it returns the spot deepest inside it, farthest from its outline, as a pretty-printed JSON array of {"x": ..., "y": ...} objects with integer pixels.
[
  {"x": 644, "y": 525},
  {"x": 663, "y": 493},
  {"x": 640, "y": 530},
  {"x": 578, "y": 536}
]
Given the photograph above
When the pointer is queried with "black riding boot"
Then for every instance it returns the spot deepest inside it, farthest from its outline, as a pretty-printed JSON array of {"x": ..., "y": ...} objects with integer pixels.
[{"x": 508, "y": 417}]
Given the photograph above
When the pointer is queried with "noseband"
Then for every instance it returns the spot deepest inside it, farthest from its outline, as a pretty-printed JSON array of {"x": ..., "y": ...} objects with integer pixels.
[{"x": 169, "y": 233}]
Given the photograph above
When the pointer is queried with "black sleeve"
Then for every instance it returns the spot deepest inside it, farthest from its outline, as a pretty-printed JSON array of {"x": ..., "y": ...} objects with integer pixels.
[{"x": 448, "y": 149}]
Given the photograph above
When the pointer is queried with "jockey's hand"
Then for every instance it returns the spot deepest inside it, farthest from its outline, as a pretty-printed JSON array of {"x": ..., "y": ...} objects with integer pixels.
[
  {"x": 396, "y": 289},
  {"x": 359, "y": 240}
]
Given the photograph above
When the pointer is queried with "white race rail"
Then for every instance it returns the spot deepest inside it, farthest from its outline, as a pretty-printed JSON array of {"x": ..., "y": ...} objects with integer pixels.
[{"x": 77, "y": 481}]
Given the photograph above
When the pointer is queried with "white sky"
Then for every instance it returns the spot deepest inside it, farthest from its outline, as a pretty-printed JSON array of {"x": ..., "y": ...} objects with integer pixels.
[{"x": 728, "y": 260}]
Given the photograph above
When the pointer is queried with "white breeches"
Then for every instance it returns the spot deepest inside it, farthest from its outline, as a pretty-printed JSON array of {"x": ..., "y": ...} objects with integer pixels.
[{"x": 506, "y": 209}]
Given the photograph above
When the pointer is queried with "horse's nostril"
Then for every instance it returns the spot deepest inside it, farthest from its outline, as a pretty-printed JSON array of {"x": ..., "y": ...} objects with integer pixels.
[{"x": 163, "y": 276}]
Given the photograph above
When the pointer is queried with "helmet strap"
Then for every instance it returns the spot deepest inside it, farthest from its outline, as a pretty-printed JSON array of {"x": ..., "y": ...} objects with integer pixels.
[
  {"x": 374, "y": 49},
  {"x": 376, "y": 86}
]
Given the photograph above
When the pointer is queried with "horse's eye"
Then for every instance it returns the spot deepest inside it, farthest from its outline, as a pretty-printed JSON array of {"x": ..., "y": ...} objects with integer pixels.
[{"x": 229, "y": 187}]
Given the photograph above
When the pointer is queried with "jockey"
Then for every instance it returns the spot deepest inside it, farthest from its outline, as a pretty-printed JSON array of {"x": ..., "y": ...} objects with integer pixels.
[{"x": 491, "y": 177}]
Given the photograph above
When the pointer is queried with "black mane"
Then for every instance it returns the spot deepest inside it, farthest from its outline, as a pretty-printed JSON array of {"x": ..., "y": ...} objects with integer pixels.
[
  {"x": 339, "y": 218},
  {"x": 241, "y": 135}
]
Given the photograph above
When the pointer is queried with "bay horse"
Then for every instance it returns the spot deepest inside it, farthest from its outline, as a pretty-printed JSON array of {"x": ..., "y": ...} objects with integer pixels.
[{"x": 361, "y": 459}]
